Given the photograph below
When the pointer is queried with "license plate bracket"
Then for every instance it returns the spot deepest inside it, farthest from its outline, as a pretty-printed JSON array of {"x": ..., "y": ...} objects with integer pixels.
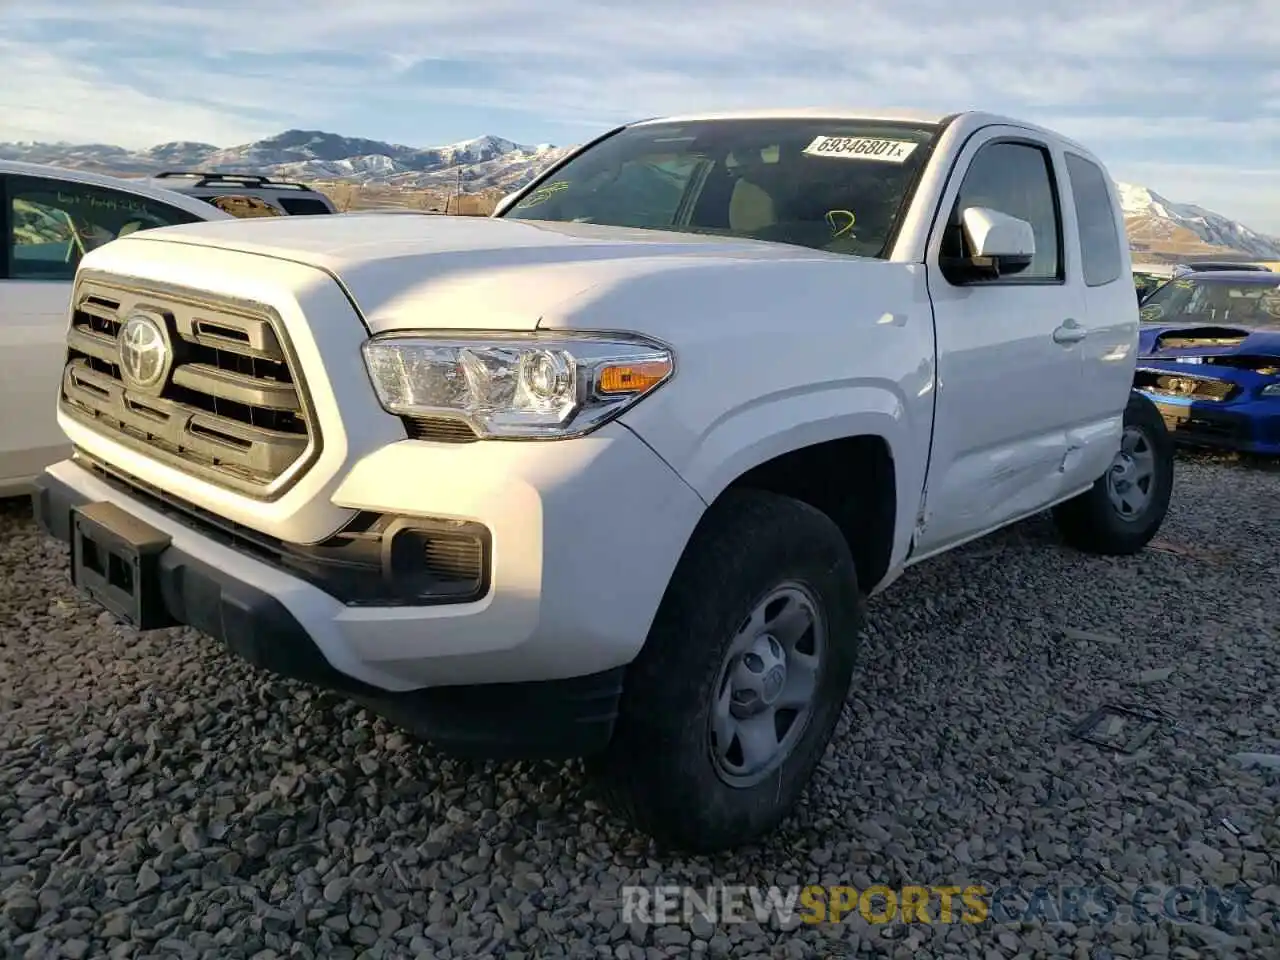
[{"x": 115, "y": 559}]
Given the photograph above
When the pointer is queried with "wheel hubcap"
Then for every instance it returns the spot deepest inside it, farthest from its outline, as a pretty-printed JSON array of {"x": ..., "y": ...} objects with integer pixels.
[
  {"x": 1132, "y": 475},
  {"x": 766, "y": 686}
]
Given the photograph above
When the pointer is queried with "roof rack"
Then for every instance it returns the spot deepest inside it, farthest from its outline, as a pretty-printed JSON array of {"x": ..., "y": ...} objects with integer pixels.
[
  {"x": 210, "y": 179},
  {"x": 1221, "y": 266}
]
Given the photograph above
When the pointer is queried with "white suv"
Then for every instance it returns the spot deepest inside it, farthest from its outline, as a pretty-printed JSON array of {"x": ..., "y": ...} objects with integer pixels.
[
  {"x": 247, "y": 195},
  {"x": 49, "y": 218}
]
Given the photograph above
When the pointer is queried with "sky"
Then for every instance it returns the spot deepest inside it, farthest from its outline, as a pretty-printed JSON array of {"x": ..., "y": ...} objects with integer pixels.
[{"x": 1181, "y": 97}]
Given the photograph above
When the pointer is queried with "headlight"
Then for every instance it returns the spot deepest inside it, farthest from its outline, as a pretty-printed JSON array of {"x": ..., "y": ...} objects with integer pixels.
[
  {"x": 533, "y": 386},
  {"x": 1271, "y": 390}
]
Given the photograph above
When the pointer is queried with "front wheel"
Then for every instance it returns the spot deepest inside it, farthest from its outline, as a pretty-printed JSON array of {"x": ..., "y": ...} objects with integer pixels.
[
  {"x": 733, "y": 699},
  {"x": 1126, "y": 506}
]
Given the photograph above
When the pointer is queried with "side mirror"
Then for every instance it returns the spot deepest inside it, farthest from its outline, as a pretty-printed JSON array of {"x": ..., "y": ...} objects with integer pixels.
[
  {"x": 504, "y": 203},
  {"x": 999, "y": 245},
  {"x": 1008, "y": 242}
]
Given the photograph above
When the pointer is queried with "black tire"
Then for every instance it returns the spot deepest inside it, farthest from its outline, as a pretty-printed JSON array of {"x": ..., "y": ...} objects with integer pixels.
[
  {"x": 658, "y": 770},
  {"x": 1091, "y": 522}
]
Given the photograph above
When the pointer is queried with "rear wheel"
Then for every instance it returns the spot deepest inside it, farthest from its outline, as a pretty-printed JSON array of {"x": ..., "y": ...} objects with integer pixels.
[
  {"x": 1126, "y": 506},
  {"x": 734, "y": 697}
]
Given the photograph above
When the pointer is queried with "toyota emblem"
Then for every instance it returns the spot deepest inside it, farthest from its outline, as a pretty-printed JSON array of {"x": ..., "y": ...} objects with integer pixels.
[{"x": 144, "y": 351}]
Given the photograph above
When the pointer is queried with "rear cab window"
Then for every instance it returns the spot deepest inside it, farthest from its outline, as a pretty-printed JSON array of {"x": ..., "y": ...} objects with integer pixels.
[{"x": 1099, "y": 237}]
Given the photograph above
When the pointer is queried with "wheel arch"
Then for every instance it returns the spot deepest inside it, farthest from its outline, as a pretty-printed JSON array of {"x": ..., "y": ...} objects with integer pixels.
[{"x": 852, "y": 479}]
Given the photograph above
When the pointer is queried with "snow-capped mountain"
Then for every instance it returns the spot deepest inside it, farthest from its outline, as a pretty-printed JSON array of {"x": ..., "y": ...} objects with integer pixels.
[
  {"x": 1157, "y": 227},
  {"x": 1151, "y": 219},
  {"x": 480, "y": 163}
]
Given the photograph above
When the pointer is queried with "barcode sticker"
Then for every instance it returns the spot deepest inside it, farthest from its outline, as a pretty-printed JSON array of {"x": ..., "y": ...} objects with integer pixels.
[{"x": 862, "y": 148}]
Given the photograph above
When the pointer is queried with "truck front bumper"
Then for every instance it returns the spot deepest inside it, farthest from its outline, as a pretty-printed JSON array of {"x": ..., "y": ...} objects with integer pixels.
[{"x": 533, "y": 668}]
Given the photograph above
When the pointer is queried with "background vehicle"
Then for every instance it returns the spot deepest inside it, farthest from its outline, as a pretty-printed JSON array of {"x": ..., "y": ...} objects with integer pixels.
[
  {"x": 1206, "y": 266},
  {"x": 611, "y": 473},
  {"x": 1147, "y": 278},
  {"x": 392, "y": 211},
  {"x": 49, "y": 218},
  {"x": 1210, "y": 358},
  {"x": 247, "y": 195}
]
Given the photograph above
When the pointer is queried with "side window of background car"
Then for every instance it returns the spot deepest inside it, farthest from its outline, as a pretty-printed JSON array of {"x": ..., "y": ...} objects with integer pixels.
[
  {"x": 1099, "y": 238},
  {"x": 54, "y": 224},
  {"x": 1015, "y": 179}
]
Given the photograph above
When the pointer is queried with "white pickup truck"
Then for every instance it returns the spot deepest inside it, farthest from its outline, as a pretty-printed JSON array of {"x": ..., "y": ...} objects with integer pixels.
[{"x": 610, "y": 473}]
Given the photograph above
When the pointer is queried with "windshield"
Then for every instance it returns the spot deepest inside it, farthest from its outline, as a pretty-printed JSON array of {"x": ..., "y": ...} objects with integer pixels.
[
  {"x": 1252, "y": 304},
  {"x": 836, "y": 185}
]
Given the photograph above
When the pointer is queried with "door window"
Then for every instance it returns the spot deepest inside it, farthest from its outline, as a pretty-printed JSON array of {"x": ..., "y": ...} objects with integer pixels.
[
  {"x": 1099, "y": 239},
  {"x": 52, "y": 225},
  {"x": 304, "y": 206},
  {"x": 243, "y": 205},
  {"x": 1015, "y": 179}
]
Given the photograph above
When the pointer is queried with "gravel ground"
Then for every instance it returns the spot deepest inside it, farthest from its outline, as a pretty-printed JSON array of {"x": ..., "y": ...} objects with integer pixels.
[{"x": 159, "y": 798}]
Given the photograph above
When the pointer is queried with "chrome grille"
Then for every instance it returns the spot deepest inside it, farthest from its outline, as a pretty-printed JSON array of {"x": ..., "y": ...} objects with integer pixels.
[{"x": 231, "y": 408}]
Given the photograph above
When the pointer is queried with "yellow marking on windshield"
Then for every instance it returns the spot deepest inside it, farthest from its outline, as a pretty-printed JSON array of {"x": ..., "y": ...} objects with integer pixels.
[{"x": 834, "y": 216}]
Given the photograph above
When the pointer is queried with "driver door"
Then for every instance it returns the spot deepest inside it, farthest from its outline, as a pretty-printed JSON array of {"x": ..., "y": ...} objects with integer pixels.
[{"x": 1008, "y": 377}]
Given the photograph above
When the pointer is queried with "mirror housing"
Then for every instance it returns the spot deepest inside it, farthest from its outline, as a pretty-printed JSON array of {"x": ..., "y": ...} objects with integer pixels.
[
  {"x": 999, "y": 245},
  {"x": 504, "y": 203}
]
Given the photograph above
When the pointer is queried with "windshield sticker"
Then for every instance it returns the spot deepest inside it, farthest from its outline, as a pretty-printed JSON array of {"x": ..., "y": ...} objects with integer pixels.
[
  {"x": 861, "y": 148},
  {"x": 542, "y": 194},
  {"x": 125, "y": 202}
]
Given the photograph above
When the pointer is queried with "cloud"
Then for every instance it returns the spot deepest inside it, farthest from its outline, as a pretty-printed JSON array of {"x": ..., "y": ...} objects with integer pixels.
[
  {"x": 1147, "y": 83},
  {"x": 57, "y": 99}
]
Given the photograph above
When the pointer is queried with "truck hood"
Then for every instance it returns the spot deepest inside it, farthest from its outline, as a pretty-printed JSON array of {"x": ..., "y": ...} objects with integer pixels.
[{"x": 441, "y": 272}]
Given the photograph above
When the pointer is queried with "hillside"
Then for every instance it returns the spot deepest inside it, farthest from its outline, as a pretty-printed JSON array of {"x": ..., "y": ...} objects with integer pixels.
[
  {"x": 482, "y": 163},
  {"x": 373, "y": 172},
  {"x": 1157, "y": 226}
]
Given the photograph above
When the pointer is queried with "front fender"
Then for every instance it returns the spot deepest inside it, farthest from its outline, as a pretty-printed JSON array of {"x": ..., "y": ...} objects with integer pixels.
[
  {"x": 768, "y": 427},
  {"x": 776, "y": 351}
]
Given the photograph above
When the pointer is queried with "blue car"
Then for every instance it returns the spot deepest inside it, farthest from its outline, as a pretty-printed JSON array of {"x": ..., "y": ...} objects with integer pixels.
[{"x": 1209, "y": 357}]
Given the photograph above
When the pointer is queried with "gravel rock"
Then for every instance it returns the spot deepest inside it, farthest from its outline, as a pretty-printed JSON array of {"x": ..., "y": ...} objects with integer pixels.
[{"x": 158, "y": 797}]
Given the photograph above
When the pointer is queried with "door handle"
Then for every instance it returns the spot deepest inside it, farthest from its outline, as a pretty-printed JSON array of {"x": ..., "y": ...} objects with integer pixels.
[{"x": 1070, "y": 332}]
